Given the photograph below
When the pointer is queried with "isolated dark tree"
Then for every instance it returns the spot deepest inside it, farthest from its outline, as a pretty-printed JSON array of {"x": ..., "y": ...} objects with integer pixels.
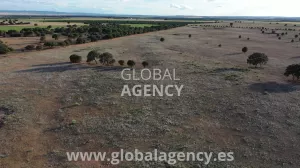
[
  {"x": 35, "y": 24},
  {"x": 30, "y": 47},
  {"x": 92, "y": 55},
  {"x": 244, "y": 49},
  {"x": 145, "y": 64},
  {"x": 279, "y": 38},
  {"x": 282, "y": 34},
  {"x": 190, "y": 35},
  {"x": 75, "y": 58},
  {"x": 162, "y": 39},
  {"x": 121, "y": 62},
  {"x": 220, "y": 45},
  {"x": 257, "y": 59},
  {"x": 293, "y": 70},
  {"x": 131, "y": 63},
  {"x": 296, "y": 36},
  {"x": 231, "y": 24},
  {"x": 55, "y": 36},
  {"x": 248, "y": 38},
  {"x": 263, "y": 32},
  {"x": 240, "y": 36},
  {"x": 292, "y": 40}
]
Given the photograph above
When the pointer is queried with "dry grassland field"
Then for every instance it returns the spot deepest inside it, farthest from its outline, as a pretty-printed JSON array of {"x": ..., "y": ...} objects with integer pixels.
[{"x": 52, "y": 106}]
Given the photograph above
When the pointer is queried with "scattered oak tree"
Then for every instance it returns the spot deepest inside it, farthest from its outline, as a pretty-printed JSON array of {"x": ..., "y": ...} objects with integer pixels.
[
  {"x": 92, "y": 55},
  {"x": 257, "y": 59},
  {"x": 293, "y": 70},
  {"x": 106, "y": 58},
  {"x": 130, "y": 63}
]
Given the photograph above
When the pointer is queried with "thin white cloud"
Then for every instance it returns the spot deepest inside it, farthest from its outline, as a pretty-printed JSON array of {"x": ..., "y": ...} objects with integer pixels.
[{"x": 182, "y": 7}]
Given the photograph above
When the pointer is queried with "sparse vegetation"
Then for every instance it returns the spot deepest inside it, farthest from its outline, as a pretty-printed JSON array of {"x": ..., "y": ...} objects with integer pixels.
[
  {"x": 257, "y": 59},
  {"x": 162, "y": 39}
]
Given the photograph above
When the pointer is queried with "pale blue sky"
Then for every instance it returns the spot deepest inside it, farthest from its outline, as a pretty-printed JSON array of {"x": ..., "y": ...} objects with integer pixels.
[{"x": 162, "y": 7}]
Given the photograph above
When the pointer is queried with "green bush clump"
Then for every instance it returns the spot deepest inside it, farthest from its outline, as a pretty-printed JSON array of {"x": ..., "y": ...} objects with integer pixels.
[
  {"x": 75, "y": 58},
  {"x": 257, "y": 59},
  {"x": 4, "y": 49},
  {"x": 106, "y": 58}
]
